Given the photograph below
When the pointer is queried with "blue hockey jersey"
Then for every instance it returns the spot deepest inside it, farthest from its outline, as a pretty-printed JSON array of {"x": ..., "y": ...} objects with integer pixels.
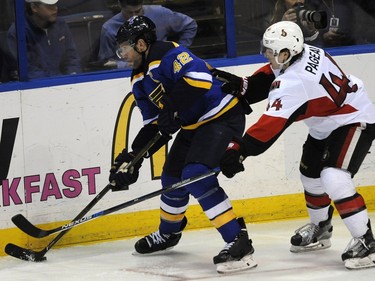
[{"x": 172, "y": 70}]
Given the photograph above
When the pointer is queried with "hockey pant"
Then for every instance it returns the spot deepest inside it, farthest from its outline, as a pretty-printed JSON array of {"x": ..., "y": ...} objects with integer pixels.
[
  {"x": 193, "y": 153},
  {"x": 327, "y": 169}
]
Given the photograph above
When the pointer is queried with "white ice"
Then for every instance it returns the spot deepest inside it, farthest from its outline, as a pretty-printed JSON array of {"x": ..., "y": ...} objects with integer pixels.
[{"x": 191, "y": 259}]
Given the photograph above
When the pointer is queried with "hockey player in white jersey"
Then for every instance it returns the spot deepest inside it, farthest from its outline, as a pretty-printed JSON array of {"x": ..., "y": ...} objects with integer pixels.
[{"x": 340, "y": 116}]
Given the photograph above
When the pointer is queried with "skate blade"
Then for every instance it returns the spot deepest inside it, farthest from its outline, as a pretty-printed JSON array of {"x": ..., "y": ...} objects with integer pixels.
[
  {"x": 245, "y": 263},
  {"x": 360, "y": 263},
  {"x": 320, "y": 245},
  {"x": 156, "y": 253}
]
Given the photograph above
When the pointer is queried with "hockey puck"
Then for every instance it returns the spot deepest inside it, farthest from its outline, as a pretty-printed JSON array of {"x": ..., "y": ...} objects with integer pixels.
[{"x": 40, "y": 259}]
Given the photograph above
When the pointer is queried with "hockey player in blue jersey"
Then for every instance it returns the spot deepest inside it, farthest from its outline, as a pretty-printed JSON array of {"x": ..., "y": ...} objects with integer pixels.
[{"x": 175, "y": 91}]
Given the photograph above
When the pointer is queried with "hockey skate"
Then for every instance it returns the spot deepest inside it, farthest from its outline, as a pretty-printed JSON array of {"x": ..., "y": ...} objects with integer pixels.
[
  {"x": 237, "y": 255},
  {"x": 157, "y": 241},
  {"x": 360, "y": 252},
  {"x": 313, "y": 237}
]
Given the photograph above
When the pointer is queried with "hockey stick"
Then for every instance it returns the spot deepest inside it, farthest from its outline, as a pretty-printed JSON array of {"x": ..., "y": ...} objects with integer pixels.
[
  {"x": 30, "y": 255},
  {"x": 23, "y": 224},
  {"x": 26, "y": 226}
]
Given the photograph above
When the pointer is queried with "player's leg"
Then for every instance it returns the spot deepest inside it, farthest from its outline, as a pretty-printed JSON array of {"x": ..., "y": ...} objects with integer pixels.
[
  {"x": 173, "y": 205},
  {"x": 316, "y": 234},
  {"x": 238, "y": 249},
  {"x": 207, "y": 147},
  {"x": 347, "y": 148}
]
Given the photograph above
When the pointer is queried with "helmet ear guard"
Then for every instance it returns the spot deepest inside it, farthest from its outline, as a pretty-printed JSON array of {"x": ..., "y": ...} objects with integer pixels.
[{"x": 283, "y": 35}]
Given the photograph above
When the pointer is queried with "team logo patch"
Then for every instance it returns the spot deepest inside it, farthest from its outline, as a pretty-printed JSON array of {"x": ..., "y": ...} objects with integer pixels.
[{"x": 157, "y": 94}]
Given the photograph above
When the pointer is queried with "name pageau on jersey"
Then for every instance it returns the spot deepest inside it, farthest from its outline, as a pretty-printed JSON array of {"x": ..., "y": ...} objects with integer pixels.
[
  {"x": 313, "y": 89},
  {"x": 172, "y": 70}
]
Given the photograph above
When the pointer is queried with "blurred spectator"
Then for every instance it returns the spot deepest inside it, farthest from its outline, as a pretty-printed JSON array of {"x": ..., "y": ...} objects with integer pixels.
[
  {"x": 340, "y": 30},
  {"x": 50, "y": 47},
  {"x": 6, "y": 64},
  {"x": 169, "y": 26},
  {"x": 364, "y": 15},
  {"x": 286, "y": 10},
  {"x": 3, "y": 78}
]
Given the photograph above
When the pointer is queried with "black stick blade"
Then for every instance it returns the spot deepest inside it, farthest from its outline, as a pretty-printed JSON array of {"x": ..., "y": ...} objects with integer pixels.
[
  {"x": 24, "y": 254},
  {"x": 22, "y": 223}
]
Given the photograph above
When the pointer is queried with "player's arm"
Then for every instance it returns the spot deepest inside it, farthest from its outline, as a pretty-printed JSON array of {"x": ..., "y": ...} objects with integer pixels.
[
  {"x": 121, "y": 179},
  {"x": 191, "y": 75},
  {"x": 253, "y": 88},
  {"x": 150, "y": 109},
  {"x": 257, "y": 139},
  {"x": 185, "y": 78}
]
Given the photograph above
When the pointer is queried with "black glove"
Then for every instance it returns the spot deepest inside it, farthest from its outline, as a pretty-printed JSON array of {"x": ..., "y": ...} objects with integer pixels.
[
  {"x": 234, "y": 85},
  {"x": 147, "y": 133},
  {"x": 231, "y": 162},
  {"x": 168, "y": 121},
  {"x": 121, "y": 178}
]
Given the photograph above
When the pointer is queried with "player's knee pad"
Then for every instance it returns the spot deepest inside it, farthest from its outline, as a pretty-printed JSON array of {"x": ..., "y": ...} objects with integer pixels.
[
  {"x": 312, "y": 185},
  {"x": 202, "y": 186},
  {"x": 166, "y": 181},
  {"x": 337, "y": 183},
  {"x": 315, "y": 196}
]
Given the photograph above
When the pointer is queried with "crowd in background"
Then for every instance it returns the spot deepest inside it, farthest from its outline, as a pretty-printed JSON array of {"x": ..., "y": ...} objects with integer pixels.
[{"x": 198, "y": 24}]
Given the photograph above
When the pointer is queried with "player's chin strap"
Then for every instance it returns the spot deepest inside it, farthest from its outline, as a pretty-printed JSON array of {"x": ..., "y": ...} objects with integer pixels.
[
  {"x": 143, "y": 54},
  {"x": 284, "y": 62},
  {"x": 291, "y": 59}
]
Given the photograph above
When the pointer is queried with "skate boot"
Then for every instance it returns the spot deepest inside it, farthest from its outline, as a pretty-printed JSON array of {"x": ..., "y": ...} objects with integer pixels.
[
  {"x": 360, "y": 252},
  {"x": 236, "y": 255},
  {"x": 313, "y": 237},
  {"x": 157, "y": 241}
]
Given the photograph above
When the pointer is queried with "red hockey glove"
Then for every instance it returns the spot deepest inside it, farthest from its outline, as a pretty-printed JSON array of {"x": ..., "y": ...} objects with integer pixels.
[{"x": 231, "y": 162}]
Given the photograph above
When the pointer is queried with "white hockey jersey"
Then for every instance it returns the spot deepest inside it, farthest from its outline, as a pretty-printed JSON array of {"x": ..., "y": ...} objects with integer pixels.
[{"x": 313, "y": 89}]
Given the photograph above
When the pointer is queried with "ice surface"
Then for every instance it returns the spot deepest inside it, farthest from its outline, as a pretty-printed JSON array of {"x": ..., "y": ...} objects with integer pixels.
[{"x": 191, "y": 259}]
